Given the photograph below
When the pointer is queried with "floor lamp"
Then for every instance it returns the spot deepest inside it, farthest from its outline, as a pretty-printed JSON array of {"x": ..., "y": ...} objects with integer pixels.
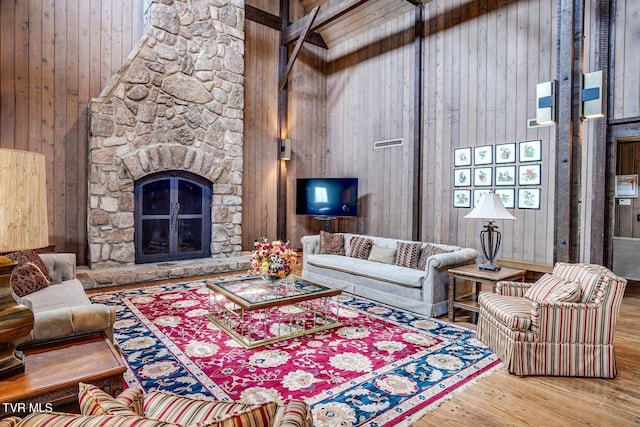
[
  {"x": 491, "y": 208},
  {"x": 23, "y": 225}
]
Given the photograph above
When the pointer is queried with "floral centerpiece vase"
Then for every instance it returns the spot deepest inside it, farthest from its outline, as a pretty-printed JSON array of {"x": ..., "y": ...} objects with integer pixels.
[{"x": 273, "y": 261}]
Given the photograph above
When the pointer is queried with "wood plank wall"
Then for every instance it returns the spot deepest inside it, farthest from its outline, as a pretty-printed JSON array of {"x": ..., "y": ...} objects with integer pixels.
[
  {"x": 54, "y": 57},
  {"x": 370, "y": 94},
  {"x": 482, "y": 61},
  {"x": 259, "y": 207},
  {"x": 626, "y": 88}
]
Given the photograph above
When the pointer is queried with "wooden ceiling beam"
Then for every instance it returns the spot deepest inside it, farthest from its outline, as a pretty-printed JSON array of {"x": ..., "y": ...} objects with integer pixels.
[
  {"x": 272, "y": 21},
  {"x": 309, "y": 19},
  {"x": 328, "y": 12}
]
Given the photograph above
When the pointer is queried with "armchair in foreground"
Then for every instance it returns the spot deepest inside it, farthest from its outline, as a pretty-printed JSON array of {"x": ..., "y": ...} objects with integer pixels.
[{"x": 561, "y": 325}]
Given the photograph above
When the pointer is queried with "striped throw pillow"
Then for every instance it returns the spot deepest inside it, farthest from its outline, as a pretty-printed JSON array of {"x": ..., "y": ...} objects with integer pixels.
[
  {"x": 94, "y": 401},
  {"x": 428, "y": 251},
  {"x": 359, "y": 247},
  {"x": 58, "y": 419},
  {"x": 407, "y": 254},
  {"x": 550, "y": 288},
  {"x": 175, "y": 409}
]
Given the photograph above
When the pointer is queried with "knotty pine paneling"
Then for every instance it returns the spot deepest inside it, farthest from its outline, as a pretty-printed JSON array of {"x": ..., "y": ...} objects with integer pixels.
[{"x": 54, "y": 57}]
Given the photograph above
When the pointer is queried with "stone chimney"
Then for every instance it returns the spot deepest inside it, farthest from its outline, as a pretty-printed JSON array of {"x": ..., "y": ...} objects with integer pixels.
[{"x": 176, "y": 104}]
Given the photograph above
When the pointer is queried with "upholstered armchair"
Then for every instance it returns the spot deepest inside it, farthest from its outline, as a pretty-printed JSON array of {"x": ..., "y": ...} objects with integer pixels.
[{"x": 561, "y": 325}]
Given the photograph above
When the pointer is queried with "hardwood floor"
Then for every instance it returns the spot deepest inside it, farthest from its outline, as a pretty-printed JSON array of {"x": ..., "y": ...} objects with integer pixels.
[{"x": 502, "y": 399}]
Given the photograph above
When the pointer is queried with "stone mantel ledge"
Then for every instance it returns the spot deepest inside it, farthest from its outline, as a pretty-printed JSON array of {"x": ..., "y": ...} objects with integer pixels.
[{"x": 139, "y": 273}]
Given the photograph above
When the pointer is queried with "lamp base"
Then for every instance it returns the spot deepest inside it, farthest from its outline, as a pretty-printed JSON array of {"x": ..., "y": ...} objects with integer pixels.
[
  {"x": 490, "y": 267},
  {"x": 16, "y": 321},
  {"x": 11, "y": 363}
]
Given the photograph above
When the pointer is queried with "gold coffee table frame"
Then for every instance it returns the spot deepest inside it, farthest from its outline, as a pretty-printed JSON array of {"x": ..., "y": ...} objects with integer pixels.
[{"x": 246, "y": 308}]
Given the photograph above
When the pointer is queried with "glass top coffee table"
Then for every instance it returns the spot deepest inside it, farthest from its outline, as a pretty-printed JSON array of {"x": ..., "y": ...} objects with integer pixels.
[{"x": 256, "y": 313}]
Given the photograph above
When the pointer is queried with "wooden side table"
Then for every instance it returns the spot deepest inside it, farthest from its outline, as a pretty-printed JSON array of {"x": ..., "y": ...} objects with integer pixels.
[
  {"x": 53, "y": 371},
  {"x": 472, "y": 273}
]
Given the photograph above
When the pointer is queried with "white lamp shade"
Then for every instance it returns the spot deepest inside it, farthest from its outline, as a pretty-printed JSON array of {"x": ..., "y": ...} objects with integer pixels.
[
  {"x": 490, "y": 207},
  {"x": 23, "y": 201}
]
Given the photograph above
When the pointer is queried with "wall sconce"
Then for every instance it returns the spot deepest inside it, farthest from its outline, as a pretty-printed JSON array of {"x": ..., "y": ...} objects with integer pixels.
[
  {"x": 285, "y": 149},
  {"x": 592, "y": 100},
  {"x": 546, "y": 102}
]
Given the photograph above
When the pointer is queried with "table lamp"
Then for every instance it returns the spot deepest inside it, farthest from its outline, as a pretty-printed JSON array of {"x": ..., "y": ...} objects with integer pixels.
[
  {"x": 23, "y": 225},
  {"x": 491, "y": 208}
]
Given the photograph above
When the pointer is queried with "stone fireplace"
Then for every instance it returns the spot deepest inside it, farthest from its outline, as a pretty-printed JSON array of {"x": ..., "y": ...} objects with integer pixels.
[{"x": 175, "y": 107}]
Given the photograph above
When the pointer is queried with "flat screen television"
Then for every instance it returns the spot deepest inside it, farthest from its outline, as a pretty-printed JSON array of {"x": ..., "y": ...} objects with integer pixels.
[{"x": 327, "y": 196}]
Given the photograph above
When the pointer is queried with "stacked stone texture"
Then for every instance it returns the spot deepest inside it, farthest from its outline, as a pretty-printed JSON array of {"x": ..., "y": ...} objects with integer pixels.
[{"x": 177, "y": 104}]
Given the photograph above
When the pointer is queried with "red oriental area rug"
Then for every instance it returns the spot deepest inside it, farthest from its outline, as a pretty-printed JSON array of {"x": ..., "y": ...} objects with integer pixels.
[{"x": 382, "y": 367}]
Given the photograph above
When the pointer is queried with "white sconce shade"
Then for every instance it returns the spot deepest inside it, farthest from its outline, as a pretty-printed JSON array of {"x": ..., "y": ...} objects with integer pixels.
[
  {"x": 592, "y": 99},
  {"x": 546, "y": 102}
]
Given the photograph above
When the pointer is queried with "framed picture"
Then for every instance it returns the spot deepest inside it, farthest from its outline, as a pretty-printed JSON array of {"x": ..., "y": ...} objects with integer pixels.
[
  {"x": 482, "y": 177},
  {"x": 530, "y": 151},
  {"x": 627, "y": 186},
  {"x": 506, "y": 153},
  {"x": 529, "y": 198},
  {"x": 505, "y": 175},
  {"x": 462, "y": 177},
  {"x": 477, "y": 195},
  {"x": 508, "y": 197},
  {"x": 462, "y": 156},
  {"x": 461, "y": 198},
  {"x": 529, "y": 175},
  {"x": 483, "y": 155}
]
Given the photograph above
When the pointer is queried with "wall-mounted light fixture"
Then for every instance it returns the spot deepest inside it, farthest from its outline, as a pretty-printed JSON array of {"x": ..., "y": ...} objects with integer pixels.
[
  {"x": 285, "y": 149},
  {"x": 592, "y": 99},
  {"x": 546, "y": 102}
]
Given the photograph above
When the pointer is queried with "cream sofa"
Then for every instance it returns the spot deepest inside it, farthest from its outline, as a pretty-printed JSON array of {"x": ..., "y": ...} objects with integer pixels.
[
  {"x": 422, "y": 291},
  {"x": 62, "y": 309}
]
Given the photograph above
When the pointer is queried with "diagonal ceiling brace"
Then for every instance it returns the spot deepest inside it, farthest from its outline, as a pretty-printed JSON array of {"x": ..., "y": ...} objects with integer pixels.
[
  {"x": 307, "y": 28},
  {"x": 330, "y": 11}
]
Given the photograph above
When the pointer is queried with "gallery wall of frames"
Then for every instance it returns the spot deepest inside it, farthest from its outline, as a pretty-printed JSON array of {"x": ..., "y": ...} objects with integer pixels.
[{"x": 511, "y": 169}]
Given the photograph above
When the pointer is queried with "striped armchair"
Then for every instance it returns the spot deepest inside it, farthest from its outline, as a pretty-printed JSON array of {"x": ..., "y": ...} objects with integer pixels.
[{"x": 561, "y": 325}]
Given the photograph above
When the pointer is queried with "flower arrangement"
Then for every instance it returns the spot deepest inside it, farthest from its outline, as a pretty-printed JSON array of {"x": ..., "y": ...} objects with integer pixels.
[{"x": 273, "y": 260}]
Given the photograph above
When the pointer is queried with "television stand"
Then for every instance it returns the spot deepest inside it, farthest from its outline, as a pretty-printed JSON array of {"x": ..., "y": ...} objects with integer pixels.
[{"x": 325, "y": 222}]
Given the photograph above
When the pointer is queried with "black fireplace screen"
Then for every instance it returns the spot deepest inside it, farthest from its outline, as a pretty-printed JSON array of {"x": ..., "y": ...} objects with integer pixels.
[{"x": 172, "y": 217}]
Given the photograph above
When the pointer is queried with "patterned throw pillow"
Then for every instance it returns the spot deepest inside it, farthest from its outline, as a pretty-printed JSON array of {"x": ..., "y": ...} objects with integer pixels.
[
  {"x": 550, "y": 288},
  {"x": 332, "y": 244},
  {"x": 192, "y": 411},
  {"x": 429, "y": 250},
  {"x": 23, "y": 257},
  {"x": 359, "y": 247},
  {"x": 407, "y": 254},
  {"x": 383, "y": 255},
  {"x": 27, "y": 278}
]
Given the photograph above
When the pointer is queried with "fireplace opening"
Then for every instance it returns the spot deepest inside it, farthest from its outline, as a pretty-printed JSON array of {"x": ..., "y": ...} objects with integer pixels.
[{"x": 172, "y": 217}]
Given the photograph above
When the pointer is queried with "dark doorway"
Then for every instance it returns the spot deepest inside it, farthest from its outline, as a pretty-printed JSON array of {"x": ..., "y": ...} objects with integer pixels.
[{"x": 172, "y": 217}]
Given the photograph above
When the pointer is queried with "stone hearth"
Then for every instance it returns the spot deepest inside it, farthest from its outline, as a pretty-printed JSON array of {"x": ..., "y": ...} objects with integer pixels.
[{"x": 175, "y": 105}]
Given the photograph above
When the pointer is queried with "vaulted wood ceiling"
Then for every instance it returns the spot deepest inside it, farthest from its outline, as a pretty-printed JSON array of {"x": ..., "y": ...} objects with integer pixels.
[{"x": 368, "y": 15}]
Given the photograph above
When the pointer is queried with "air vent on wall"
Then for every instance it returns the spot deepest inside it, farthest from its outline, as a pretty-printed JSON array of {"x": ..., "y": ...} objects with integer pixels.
[{"x": 388, "y": 143}]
